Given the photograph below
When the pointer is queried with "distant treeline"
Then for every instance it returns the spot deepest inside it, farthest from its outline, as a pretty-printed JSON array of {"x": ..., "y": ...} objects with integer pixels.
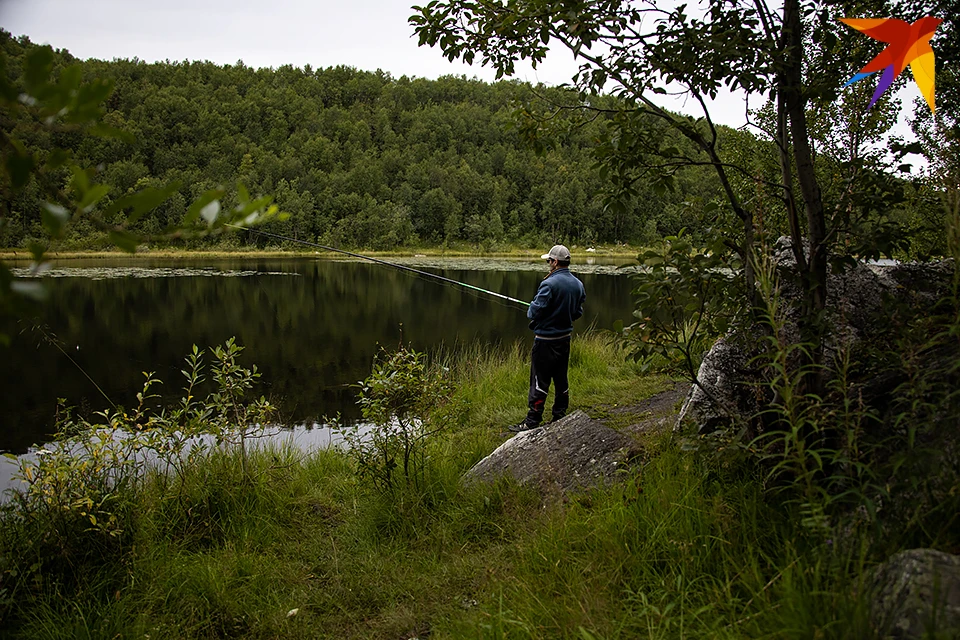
[
  {"x": 356, "y": 158},
  {"x": 362, "y": 160}
]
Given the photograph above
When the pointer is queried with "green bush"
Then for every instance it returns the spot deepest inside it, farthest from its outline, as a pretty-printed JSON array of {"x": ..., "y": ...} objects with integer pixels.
[
  {"x": 77, "y": 509},
  {"x": 397, "y": 399},
  {"x": 683, "y": 300}
]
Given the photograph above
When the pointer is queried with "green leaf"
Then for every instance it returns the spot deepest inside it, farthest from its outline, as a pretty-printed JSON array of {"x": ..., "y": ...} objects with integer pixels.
[
  {"x": 124, "y": 240},
  {"x": 29, "y": 289},
  {"x": 246, "y": 208},
  {"x": 143, "y": 201},
  {"x": 20, "y": 164},
  {"x": 36, "y": 71},
  {"x": 37, "y": 250},
  {"x": 81, "y": 180},
  {"x": 58, "y": 158},
  {"x": 93, "y": 196},
  {"x": 69, "y": 82},
  {"x": 89, "y": 97},
  {"x": 53, "y": 217},
  {"x": 200, "y": 204}
]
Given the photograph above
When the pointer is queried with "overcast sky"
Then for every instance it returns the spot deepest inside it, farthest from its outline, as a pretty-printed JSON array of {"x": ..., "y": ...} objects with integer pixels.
[{"x": 366, "y": 34}]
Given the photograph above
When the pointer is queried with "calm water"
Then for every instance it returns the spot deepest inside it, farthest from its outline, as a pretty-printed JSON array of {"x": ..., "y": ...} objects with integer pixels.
[{"x": 311, "y": 326}]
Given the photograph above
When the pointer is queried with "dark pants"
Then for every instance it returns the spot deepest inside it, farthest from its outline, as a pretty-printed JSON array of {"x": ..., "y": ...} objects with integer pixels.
[{"x": 548, "y": 361}]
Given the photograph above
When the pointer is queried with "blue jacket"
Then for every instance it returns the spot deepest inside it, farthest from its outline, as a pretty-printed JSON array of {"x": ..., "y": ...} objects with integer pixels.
[{"x": 559, "y": 301}]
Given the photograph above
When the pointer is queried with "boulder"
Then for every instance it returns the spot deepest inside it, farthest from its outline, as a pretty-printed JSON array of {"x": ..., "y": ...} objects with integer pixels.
[
  {"x": 860, "y": 300},
  {"x": 916, "y": 594},
  {"x": 726, "y": 388},
  {"x": 576, "y": 452}
]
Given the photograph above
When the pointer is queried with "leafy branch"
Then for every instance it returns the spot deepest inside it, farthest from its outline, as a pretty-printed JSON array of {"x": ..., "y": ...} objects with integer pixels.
[{"x": 42, "y": 99}]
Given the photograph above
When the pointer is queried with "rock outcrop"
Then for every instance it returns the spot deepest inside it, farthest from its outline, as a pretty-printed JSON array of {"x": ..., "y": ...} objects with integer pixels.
[
  {"x": 916, "y": 594},
  {"x": 860, "y": 301},
  {"x": 573, "y": 453},
  {"x": 727, "y": 388}
]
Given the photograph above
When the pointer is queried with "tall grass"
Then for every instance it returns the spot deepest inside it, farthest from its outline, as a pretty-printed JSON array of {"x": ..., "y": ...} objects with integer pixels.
[
  {"x": 493, "y": 382},
  {"x": 296, "y": 546},
  {"x": 673, "y": 552}
]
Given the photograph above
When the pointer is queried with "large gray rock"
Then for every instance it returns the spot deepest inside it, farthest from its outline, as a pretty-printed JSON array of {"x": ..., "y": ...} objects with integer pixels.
[
  {"x": 572, "y": 453},
  {"x": 725, "y": 391},
  {"x": 916, "y": 594},
  {"x": 859, "y": 301}
]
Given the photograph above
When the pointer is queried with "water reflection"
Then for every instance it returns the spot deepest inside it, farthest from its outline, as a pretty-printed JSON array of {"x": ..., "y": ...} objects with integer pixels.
[
  {"x": 305, "y": 438},
  {"x": 311, "y": 336}
]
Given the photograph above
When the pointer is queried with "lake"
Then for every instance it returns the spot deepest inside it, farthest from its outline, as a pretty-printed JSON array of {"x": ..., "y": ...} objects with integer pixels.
[{"x": 312, "y": 326}]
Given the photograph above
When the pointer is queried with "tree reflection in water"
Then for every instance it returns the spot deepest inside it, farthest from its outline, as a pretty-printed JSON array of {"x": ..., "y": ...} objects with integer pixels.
[{"x": 311, "y": 326}]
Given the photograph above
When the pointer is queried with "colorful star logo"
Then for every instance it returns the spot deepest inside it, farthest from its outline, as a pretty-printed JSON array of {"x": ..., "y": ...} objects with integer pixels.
[{"x": 908, "y": 44}]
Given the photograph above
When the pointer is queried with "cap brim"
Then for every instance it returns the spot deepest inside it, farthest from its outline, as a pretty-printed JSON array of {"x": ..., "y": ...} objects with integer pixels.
[{"x": 545, "y": 256}]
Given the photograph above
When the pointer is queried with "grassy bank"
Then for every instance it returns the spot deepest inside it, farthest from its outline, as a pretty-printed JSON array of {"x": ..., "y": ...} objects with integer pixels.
[
  {"x": 297, "y": 546},
  {"x": 291, "y": 250}
]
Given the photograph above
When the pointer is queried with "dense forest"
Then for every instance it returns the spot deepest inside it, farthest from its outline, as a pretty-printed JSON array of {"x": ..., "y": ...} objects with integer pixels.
[
  {"x": 356, "y": 158},
  {"x": 360, "y": 159}
]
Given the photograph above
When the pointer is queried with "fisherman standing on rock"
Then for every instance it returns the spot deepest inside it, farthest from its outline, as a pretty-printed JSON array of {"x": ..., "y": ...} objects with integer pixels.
[{"x": 559, "y": 301}]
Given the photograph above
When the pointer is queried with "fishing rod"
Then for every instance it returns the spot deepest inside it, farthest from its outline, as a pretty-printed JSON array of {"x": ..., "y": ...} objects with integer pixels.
[{"x": 383, "y": 262}]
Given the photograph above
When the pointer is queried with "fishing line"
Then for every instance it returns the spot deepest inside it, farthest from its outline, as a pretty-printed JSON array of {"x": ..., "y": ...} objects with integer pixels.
[
  {"x": 384, "y": 262},
  {"x": 459, "y": 289},
  {"x": 53, "y": 340}
]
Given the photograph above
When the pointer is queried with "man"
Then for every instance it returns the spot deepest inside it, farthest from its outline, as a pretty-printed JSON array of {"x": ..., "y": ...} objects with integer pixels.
[{"x": 559, "y": 301}]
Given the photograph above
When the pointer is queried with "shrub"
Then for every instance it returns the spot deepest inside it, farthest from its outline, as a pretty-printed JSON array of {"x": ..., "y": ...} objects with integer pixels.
[
  {"x": 396, "y": 398},
  {"x": 75, "y": 512}
]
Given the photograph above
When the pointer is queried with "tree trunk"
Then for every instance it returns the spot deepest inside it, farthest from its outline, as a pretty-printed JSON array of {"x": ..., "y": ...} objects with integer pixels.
[{"x": 813, "y": 277}]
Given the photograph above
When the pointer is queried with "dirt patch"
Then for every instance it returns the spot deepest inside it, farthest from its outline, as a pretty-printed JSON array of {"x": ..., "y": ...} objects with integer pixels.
[{"x": 654, "y": 415}]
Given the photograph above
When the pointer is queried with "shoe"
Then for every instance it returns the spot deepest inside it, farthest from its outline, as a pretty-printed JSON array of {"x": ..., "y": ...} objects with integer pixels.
[{"x": 523, "y": 426}]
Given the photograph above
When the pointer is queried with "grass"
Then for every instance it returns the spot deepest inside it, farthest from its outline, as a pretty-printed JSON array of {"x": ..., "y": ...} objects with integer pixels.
[
  {"x": 493, "y": 384},
  {"x": 301, "y": 548}
]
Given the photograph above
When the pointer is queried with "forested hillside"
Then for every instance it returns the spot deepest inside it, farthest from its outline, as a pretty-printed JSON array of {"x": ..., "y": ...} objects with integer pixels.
[
  {"x": 362, "y": 160},
  {"x": 356, "y": 158}
]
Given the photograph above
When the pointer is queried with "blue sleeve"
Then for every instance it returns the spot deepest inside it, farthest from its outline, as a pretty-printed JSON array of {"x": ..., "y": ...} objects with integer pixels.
[
  {"x": 578, "y": 311},
  {"x": 540, "y": 301}
]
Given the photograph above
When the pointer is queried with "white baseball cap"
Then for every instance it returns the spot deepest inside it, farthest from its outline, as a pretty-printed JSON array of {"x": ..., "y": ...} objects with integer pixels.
[{"x": 559, "y": 253}]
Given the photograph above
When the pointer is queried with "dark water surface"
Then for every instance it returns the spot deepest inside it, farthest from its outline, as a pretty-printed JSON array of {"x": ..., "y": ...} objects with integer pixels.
[{"x": 311, "y": 326}]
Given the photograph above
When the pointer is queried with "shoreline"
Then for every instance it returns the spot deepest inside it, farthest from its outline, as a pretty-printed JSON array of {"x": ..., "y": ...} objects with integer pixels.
[{"x": 25, "y": 256}]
